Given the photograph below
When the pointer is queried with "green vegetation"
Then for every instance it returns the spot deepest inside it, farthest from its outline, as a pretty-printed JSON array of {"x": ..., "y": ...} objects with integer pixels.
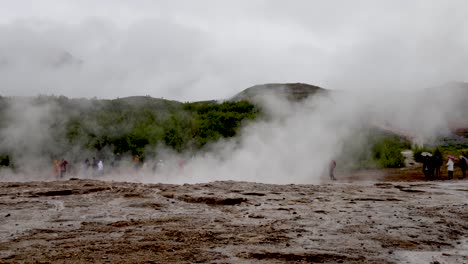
[
  {"x": 373, "y": 149},
  {"x": 134, "y": 125},
  {"x": 455, "y": 149},
  {"x": 214, "y": 121},
  {"x": 132, "y": 129},
  {"x": 387, "y": 152}
]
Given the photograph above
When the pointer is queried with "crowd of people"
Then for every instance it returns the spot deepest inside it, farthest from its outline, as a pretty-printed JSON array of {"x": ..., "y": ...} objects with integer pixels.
[
  {"x": 432, "y": 166},
  {"x": 95, "y": 167}
]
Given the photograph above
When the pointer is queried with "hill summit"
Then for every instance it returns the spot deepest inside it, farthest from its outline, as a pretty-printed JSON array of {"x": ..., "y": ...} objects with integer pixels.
[{"x": 292, "y": 91}]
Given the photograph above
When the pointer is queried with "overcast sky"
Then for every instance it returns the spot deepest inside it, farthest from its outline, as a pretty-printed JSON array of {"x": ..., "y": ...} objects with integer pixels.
[{"x": 196, "y": 50}]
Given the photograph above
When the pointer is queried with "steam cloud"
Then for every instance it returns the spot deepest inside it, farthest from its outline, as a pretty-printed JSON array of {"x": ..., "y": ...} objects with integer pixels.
[
  {"x": 298, "y": 144},
  {"x": 293, "y": 145}
]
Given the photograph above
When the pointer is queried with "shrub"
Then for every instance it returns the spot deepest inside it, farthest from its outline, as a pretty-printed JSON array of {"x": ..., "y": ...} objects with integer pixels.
[
  {"x": 387, "y": 153},
  {"x": 5, "y": 161},
  {"x": 372, "y": 149}
]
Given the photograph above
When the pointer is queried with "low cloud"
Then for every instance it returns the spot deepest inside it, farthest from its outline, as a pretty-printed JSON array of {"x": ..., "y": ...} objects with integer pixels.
[{"x": 199, "y": 51}]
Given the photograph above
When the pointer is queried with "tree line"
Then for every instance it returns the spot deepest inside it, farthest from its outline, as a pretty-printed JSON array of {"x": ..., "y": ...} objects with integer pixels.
[{"x": 134, "y": 125}]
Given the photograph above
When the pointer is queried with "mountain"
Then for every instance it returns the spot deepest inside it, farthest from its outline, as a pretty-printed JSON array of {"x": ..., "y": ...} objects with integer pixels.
[{"x": 292, "y": 91}]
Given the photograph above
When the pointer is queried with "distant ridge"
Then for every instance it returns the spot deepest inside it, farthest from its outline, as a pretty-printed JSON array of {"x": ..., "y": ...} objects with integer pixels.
[
  {"x": 144, "y": 100},
  {"x": 292, "y": 91}
]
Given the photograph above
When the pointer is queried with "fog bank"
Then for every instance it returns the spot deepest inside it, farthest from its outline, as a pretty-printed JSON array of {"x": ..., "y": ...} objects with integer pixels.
[{"x": 293, "y": 143}]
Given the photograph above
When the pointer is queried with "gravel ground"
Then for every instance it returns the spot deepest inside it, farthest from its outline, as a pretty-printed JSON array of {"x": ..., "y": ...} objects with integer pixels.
[{"x": 77, "y": 221}]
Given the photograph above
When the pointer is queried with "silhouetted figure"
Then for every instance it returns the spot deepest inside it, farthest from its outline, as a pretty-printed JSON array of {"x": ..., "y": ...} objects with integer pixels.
[
  {"x": 116, "y": 160},
  {"x": 430, "y": 167},
  {"x": 87, "y": 164},
  {"x": 438, "y": 162},
  {"x": 63, "y": 168},
  {"x": 94, "y": 166},
  {"x": 463, "y": 166},
  {"x": 332, "y": 170}
]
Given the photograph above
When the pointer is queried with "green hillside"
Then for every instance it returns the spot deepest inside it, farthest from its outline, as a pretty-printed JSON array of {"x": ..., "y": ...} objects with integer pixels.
[{"x": 128, "y": 126}]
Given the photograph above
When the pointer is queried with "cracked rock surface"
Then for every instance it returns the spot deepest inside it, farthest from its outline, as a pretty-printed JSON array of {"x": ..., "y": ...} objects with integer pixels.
[{"x": 80, "y": 221}]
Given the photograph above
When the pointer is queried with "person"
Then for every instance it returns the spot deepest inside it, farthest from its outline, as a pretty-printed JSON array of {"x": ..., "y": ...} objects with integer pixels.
[
  {"x": 425, "y": 166},
  {"x": 100, "y": 168},
  {"x": 332, "y": 170},
  {"x": 181, "y": 163},
  {"x": 463, "y": 166},
  {"x": 158, "y": 165},
  {"x": 56, "y": 169},
  {"x": 432, "y": 167},
  {"x": 94, "y": 166},
  {"x": 115, "y": 161},
  {"x": 438, "y": 162},
  {"x": 63, "y": 168},
  {"x": 450, "y": 165},
  {"x": 137, "y": 162},
  {"x": 86, "y": 166}
]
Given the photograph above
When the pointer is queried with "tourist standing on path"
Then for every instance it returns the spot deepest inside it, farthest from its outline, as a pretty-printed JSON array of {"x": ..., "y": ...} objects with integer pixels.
[
  {"x": 425, "y": 166},
  {"x": 87, "y": 166},
  {"x": 463, "y": 165},
  {"x": 63, "y": 168},
  {"x": 332, "y": 170},
  {"x": 94, "y": 166},
  {"x": 56, "y": 169},
  {"x": 100, "y": 168},
  {"x": 438, "y": 162},
  {"x": 450, "y": 165},
  {"x": 115, "y": 161},
  {"x": 137, "y": 162}
]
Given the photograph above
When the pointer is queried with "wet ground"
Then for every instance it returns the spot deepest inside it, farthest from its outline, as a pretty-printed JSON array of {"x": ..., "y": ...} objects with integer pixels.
[{"x": 77, "y": 221}]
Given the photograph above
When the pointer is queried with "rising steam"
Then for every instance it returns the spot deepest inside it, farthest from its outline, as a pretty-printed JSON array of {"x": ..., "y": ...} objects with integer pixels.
[{"x": 292, "y": 144}]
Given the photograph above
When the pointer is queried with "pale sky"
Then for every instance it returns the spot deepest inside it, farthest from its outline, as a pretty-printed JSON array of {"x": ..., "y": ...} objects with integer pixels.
[{"x": 198, "y": 50}]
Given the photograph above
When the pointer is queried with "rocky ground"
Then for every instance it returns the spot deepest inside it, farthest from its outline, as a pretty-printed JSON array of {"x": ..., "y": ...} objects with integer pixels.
[{"x": 76, "y": 221}]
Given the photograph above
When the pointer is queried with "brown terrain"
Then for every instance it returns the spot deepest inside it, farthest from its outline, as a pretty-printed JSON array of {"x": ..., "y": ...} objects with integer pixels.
[{"x": 394, "y": 217}]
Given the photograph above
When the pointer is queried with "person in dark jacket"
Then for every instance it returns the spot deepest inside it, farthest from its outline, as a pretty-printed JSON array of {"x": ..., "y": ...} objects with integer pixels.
[
  {"x": 332, "y": 169},
  {"x": 463, "y": 165},
  {"x": 94, "y": 166},
  {"x": 431, "y": 166},
  {"x": 438, "y": 162}
]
